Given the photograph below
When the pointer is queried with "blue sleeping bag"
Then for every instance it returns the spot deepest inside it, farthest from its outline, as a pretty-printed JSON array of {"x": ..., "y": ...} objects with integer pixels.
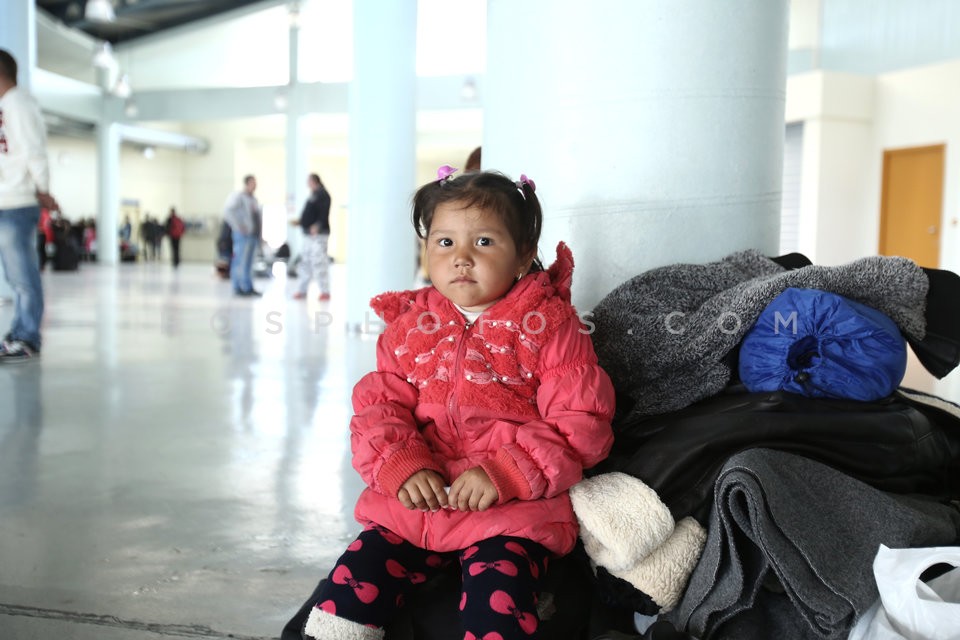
[{"x": 822, "y": 345}]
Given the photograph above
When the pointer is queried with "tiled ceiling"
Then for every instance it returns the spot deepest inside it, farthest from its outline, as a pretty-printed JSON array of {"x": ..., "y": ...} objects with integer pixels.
[{"x": 123, "y": 20}]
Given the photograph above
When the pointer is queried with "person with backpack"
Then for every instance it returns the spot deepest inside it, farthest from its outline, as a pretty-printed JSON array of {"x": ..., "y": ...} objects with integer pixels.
[{"x": 175, "y": 228}]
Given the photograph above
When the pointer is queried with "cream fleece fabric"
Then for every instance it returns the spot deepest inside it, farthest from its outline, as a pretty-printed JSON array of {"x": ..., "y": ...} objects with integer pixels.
[
  {"x": 627, "y": 530},
  {"x": 664, "y": 573},
  {"x": 324, "y": 626},
  {"x": 621, "y": 519}
]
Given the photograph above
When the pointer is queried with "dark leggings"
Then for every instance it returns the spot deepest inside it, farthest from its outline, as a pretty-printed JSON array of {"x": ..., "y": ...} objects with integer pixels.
[{"x": 501, "y": 580}]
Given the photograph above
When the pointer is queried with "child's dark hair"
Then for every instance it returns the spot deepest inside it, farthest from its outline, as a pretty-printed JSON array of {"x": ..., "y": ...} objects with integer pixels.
[{"x": 515, "y": 203}]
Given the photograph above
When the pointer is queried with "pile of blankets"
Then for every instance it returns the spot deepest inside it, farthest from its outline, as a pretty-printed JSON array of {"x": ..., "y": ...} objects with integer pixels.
[
  {"x": 664, "y": 335},
  {"x": 785, "y": 546}
]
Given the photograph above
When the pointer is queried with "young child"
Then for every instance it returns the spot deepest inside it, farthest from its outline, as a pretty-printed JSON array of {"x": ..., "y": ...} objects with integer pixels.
[{"x": 487, "y": 387}]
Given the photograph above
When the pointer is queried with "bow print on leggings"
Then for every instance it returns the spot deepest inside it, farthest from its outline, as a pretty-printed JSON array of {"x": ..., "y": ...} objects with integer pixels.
[
  {"x": 505, "y": 567},
  {"x": 397, "y": 570},
  {"x": 493, "y": 635},
  {"x": 520, "y": 551},
  {"x": 366, "y": 591},
  {"x": 501, "y": 602}
]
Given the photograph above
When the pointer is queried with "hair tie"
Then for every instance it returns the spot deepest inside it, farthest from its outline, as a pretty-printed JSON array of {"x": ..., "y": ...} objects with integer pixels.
[
  {"x": 444, "y": 173},
  {"x": 524, "y": 180}
]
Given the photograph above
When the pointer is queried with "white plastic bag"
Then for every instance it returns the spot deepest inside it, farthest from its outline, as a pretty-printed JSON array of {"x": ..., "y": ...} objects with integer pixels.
[{"x": 908, "y": 608}]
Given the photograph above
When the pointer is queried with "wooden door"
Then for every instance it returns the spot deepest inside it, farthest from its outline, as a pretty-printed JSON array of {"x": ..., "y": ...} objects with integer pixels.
[{"x": 911, "y": 207}]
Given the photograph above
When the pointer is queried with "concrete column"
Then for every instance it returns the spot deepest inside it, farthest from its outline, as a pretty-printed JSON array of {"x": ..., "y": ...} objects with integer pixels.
[
  {"x": 653, "y": 128},
  {"x": 381, "y": 244},
  {"x": 18, "y": 35},
  {"x": 108, "y": 187},
  {"x": 296, "y": 143}
]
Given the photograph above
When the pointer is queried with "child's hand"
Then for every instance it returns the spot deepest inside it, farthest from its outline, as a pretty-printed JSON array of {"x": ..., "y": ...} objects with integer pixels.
[
  {"x": 473, "y": 491},
  {"x": 423, "y": 490}
]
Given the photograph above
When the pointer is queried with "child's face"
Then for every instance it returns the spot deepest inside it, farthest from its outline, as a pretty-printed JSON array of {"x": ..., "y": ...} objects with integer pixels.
[{"x": 471, "y": 257}]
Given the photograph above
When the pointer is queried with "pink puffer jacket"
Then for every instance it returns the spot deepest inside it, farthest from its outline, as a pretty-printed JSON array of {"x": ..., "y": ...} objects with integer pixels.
[{"x": 518, "y": 393}]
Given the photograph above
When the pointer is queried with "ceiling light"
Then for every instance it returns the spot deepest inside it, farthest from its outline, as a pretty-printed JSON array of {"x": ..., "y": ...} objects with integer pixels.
[
  {"x": 103, "y": 58},
  {"x": 149, "y": 153},
  {"x": 468, "y": 92},
  {"x": 293, "y": 12},
  {"x": 99, "y": 11},
  {"x": 123, "y": 89}
]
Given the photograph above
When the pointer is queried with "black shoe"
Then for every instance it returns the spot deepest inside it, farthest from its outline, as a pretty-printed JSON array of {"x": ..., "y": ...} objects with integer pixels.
[{"x": 18, "y": 351}]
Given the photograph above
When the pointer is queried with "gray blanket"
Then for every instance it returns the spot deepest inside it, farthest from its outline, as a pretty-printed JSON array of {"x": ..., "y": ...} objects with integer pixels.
[
  {"x": 662, "y": 336},
  {"x": 785, "y": 524}
]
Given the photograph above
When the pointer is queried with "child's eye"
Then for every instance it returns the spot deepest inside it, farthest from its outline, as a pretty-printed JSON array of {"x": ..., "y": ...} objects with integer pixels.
[
  {"x": 445, "y": 242},
  {"x": 484, "y": 242}
]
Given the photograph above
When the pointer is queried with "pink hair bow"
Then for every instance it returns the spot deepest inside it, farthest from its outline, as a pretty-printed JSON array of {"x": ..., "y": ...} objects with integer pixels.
[{"x": 444, "y": 173}]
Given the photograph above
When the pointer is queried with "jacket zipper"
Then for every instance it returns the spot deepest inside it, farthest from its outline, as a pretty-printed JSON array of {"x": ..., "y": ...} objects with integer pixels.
[{"x": 453, "y": 408}]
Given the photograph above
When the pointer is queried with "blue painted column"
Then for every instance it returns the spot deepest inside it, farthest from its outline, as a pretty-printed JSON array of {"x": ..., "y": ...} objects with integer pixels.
[
  {"x": 381, "y": 244},
  {"x": 18, "y": 35},
  {"x": 653, "y": 128}
]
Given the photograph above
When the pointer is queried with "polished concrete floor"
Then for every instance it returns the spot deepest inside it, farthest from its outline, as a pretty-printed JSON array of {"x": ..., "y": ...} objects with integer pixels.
[{"x": 177, "y": 464}]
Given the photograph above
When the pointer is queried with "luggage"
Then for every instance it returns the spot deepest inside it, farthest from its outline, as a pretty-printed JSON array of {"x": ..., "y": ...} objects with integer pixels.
[{"x": 66, "y": 258}]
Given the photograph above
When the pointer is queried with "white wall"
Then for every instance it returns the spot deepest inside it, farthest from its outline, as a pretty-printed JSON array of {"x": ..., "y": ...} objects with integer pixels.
[
  {"x": 836, "y": 222},
  {"x": 246, "y": 51},
  {"x": 73, "y": 175},
  {"x": 804, "y": 24},
  {"x": 156, "y": 183}
]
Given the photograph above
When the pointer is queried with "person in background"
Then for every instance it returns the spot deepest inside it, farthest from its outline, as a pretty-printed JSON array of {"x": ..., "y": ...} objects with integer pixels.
[
  {"x": 157, "y": 231},
  {"x": 468, "y": 458},
  {"x": 242, "y": 212},
  {"x": 46, "y": 239},
  {"x": 473, "y": 161},
  {"x": 24, "y": 188},
  {"x": 175, "y": 227},
  {"x": 90, "y": 239},
  {"x": 126, "y": 229},
  {"x": 315, "y": 222}
]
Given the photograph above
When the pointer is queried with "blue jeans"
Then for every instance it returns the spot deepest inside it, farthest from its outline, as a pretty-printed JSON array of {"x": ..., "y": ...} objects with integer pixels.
[
  {"x": 18, "y": 252},
  {"x": 241, "y": 264}
]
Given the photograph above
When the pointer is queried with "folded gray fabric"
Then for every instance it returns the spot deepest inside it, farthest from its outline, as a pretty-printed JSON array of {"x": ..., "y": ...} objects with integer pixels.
[
  {"x": 662, "y": 336},
  {"x": 783, "y": 522}
]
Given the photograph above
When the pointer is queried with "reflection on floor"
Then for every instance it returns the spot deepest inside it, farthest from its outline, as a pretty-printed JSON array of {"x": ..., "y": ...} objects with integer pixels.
[{"x": 178, "y": 462}]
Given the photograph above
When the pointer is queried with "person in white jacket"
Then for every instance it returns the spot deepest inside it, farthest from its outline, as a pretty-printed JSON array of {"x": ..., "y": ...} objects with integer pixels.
[{"x": 24, "y": 188}]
